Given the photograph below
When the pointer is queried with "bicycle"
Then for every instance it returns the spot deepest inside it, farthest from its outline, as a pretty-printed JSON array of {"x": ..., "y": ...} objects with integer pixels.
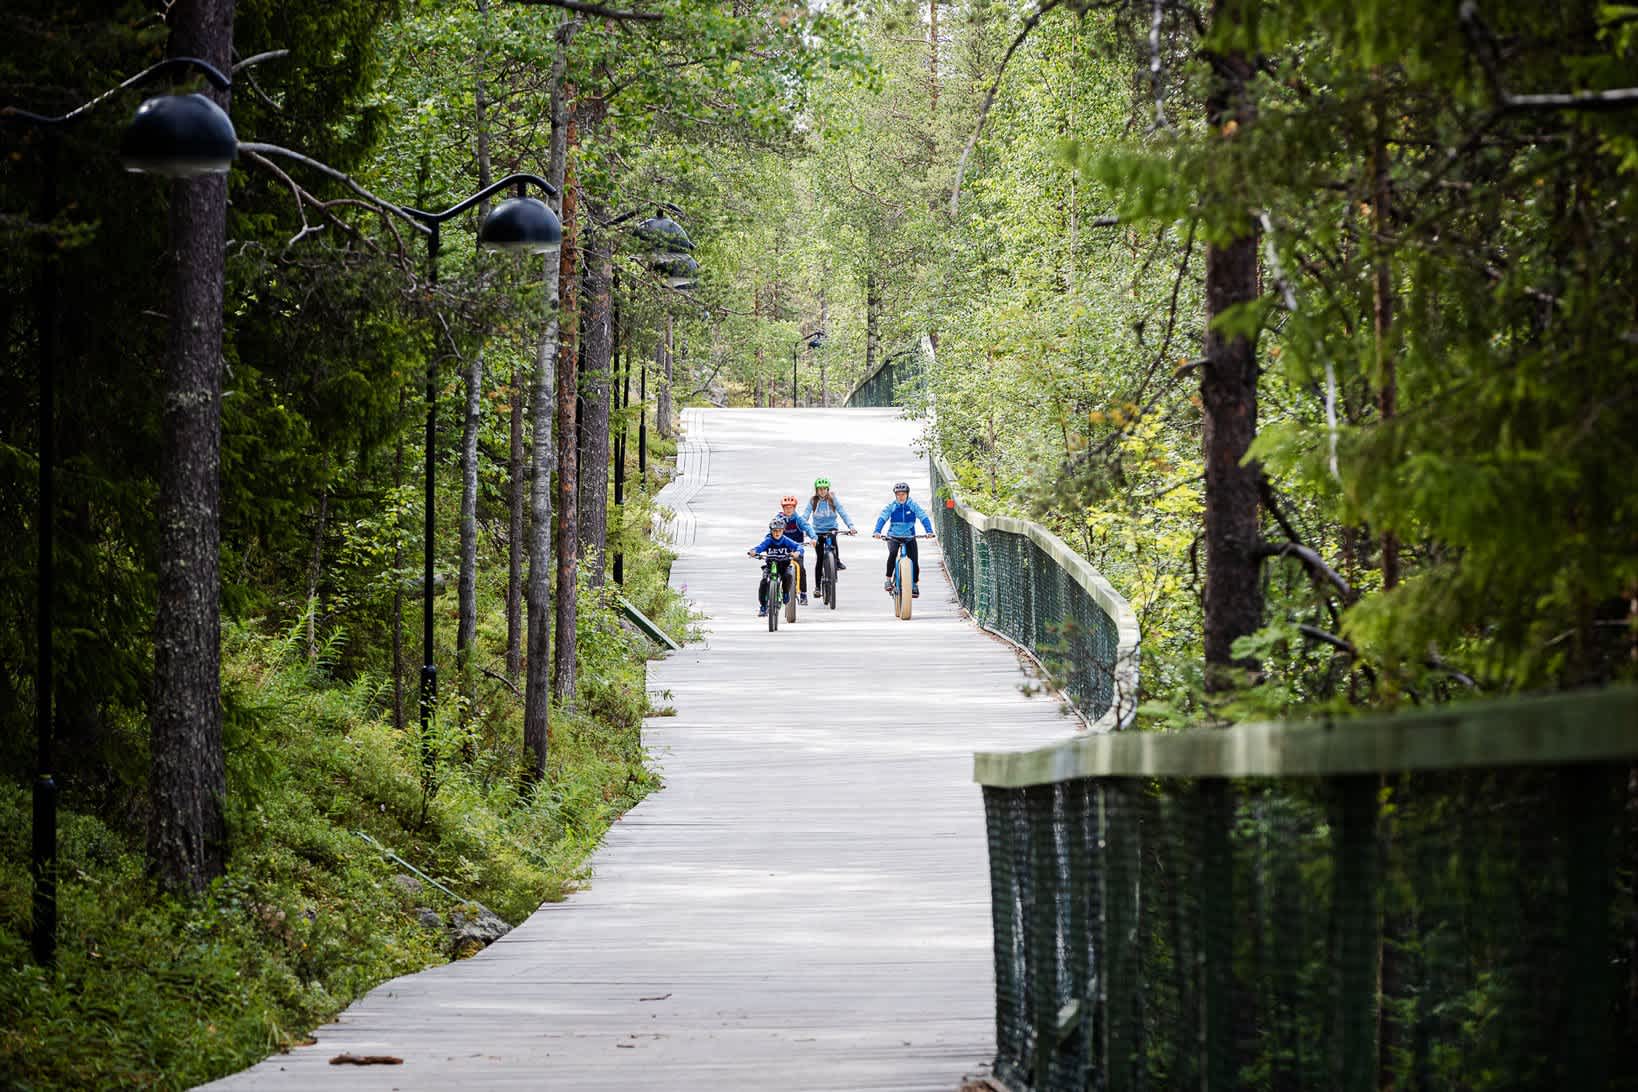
[
  {"x": 903, "y": 575},
  {"x": 776, "y": 587},
  {"x": 825, "y": 569}
]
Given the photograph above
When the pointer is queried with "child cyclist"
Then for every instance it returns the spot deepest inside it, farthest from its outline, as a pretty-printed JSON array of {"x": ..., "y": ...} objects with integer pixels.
[
  {"x": 822, "y": 511},
  {"x": 798, "y": 529},
  {"x": 783, "y": 551},
  {"x": 900, "y": 517}
]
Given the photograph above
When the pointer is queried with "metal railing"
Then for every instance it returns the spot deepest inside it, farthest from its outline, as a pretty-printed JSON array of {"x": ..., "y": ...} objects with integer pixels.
[
  {"x": 1440, "y": 899},
  {"x": 895, "y": 378},
  {"x": 1019, "y": 580}
]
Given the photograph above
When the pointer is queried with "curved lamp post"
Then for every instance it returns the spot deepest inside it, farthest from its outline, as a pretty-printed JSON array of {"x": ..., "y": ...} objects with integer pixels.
[
  {"x": 669, "y": 259},
  {"x": 518, "y": 225},
  {"x": 177, "y": 136},
  {"x": 812, "y": 341}
]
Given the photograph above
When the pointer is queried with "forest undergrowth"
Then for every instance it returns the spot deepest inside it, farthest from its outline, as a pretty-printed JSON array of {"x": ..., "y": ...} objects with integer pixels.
[{"x": 157, "y": 991}]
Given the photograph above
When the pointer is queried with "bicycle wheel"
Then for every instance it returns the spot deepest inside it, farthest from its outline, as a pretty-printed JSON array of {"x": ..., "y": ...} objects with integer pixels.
[
  {"x": 830, "y": 581},
  {"x": 902, "y": 579},
  {"x": 773, "y": 604},
  {"x": 790, "y": 607}
]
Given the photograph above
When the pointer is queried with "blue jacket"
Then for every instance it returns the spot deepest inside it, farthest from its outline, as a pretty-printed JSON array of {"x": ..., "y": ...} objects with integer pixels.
[
  {"x": 778, "y": 548},
  {"x": 901, "y": 518},
  {"x": 803, "y": 527},
  {"x": 824, "y": 514}
]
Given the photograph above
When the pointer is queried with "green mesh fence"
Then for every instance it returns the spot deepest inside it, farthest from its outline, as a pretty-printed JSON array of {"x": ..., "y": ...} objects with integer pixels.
[
  {"x": 1435, "y": 928},
  {"x": 891, "y": 384},
  {"x": 1018, "y": 581}
]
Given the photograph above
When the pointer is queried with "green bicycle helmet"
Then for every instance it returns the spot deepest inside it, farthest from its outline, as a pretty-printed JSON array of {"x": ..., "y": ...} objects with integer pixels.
[{"x": 821, "y": 483}]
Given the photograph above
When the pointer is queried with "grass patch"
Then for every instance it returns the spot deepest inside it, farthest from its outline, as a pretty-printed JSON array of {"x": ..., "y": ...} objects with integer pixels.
[{"x": 153, "y": 991}]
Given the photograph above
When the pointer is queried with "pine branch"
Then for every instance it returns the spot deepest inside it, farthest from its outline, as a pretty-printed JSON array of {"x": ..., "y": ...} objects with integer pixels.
[
  {"x": 1485, "y": 49},
  {"x": 596, "y": 9},
  {"x": 380, "y": 204},
  {"x": 1341, "y": 644},
  {"x": 1311, "y": 560}
]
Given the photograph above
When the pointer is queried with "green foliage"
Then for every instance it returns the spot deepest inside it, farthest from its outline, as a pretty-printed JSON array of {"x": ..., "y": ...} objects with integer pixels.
[
  {"x": 1444, "y": 329},
  {"x": 155, "y": 991}
]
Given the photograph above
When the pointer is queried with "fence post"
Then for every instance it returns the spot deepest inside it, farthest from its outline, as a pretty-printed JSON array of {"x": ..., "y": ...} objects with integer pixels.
[
  {"x": 1586, "y": 796},
  {"x": 1355, "y": 910},
  {"x": 1044, "y": 930},
  {"x": 1218, "y": 914},
  {"x": 1121, "y": 845}
]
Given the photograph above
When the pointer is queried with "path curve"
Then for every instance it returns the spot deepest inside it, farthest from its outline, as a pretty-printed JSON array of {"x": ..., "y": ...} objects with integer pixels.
[{"x": 805, "y": 904}]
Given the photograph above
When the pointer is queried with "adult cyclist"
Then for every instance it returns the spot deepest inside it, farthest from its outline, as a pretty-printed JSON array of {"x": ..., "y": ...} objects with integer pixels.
[
  {"x": 900, "y": 517},
  {"x": 782, "y": 551},
  {"x": 823, "y": 510},
  {"x": 799, "y": 529}
]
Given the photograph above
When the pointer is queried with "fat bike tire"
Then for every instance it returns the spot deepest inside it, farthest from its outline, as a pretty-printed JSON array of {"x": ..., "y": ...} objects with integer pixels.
[{"x": 905, "y": 584}]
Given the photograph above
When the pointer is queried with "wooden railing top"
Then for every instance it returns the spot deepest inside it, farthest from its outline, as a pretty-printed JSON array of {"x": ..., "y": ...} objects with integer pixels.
[
  {"x": 923, "y": 347},
  {"x": 1111, "y": 602},
  {"x": 1558, "y": 729}
]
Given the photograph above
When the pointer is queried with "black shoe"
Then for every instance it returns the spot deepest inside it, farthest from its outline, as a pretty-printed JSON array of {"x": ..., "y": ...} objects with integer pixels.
[
  {"x": 887, "y": 586},
  {"x": 762, "y": 612},
  {"x": 841, "y": 566},
  {"x": 915, "y": 592},
  {"x": 802, "y": 600}
]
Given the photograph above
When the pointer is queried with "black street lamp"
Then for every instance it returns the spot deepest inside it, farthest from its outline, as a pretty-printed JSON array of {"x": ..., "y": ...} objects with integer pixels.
[
  {"x": 812, "y": 341},
  {"x": 518, "y": 225},
  {"x": 177, "y": 136},
  {"x": 668, "y": 258}
]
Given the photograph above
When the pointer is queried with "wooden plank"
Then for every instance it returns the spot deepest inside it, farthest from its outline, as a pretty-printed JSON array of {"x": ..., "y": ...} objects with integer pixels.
[
  {"x": 805, "y": 904},
  {"x": 1587, "y": 726}
]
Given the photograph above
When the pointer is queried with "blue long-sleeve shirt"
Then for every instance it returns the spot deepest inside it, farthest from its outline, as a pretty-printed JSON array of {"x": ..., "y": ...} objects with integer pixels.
[
  {"x": 900, "y": 518},
  {"x": 778, "y": 548},
  {"x": 803, "y": 527},
  {"x": 824, "y": 514}
]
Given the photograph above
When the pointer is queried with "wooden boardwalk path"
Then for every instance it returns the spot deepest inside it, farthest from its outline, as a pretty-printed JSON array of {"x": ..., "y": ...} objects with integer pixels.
[{"x": 805, "y": 904}]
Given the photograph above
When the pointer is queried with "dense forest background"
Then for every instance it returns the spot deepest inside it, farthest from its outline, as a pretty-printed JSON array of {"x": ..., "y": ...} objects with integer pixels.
[
  {"x": 1314, "y": 327},
  {"x": 1335, "y": 302}
]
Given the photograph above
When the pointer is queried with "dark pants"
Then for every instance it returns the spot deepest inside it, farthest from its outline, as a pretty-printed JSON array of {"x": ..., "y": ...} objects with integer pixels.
[
  {"x": 909, "y": 545},
  {"x": 785, "y": 574}
]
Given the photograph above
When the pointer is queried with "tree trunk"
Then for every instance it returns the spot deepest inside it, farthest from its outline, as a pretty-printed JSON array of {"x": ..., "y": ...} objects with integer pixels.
[
  {"x": 466, "y": 628},
  {"x": 398, "y": 583},
  {"x": 662, "y": 372},
  {"x": 542, "y": 404},
  {"x": 187, "y": 835},
  {"x": 1228, "y": 395},
  {"x": 1387, "y": 396},
  {"x": 873, "y": 318},
  {"x": 824, "y": 325},
  {"x": 932, "y": 53},
  {"x": 594, "y": 419},
  {"x": 620, "y": 353},
  {"x": 514, "y": 530},
  {"x": 315, "y": 567},
  {"x": 568, "y": 357}
]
